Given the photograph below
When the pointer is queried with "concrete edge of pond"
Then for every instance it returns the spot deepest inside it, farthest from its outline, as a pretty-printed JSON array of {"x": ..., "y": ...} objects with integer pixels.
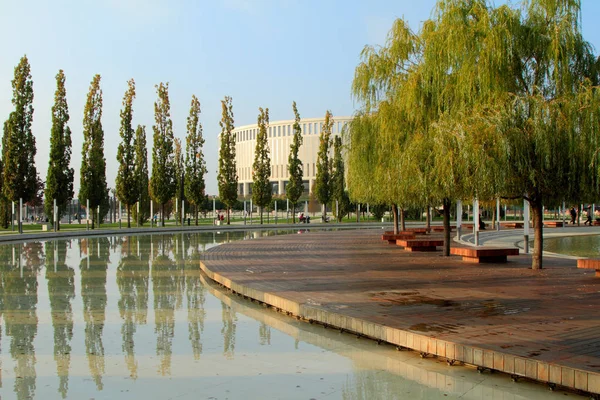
[
  {"x": 515, "y": 366},
  {"x": 17, "y": 238}
]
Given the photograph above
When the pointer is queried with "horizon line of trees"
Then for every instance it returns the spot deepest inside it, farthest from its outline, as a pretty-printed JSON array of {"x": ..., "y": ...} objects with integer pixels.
[{"x": 175, "y": 171}]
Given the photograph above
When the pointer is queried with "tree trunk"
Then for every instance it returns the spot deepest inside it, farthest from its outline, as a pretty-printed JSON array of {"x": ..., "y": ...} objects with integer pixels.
[
  {"x": 57, "y": 224},
  {"x": 578, "y": 214},
  {"x": 196, "y": 212},
  {"x": 446, "y": 203},
  {"x": 538, "y": 240},
  {"x": 402, "y": 221},
  {"x": 128, "y": 215},
  {"x": 324, "y": 212},
  {"x": 395, "y": 214},
  {"x": 228, "y": 220},
  {"x": 162, "y": 214},
  {"x": 428, "y": 218},
  {"x": 494, "y": 218},
  {"x": 293, "y": 214},
  {"x": 261, "y": 214},
  {"x": 357, "y": 212}
]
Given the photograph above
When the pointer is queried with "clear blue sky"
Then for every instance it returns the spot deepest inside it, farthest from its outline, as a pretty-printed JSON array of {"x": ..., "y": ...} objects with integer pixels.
[{"x": 263, "y": 53}]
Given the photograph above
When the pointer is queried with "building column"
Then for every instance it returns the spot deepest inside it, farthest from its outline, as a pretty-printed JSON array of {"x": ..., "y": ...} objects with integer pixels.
[
  {"x": 311, "y": 182},
  {"x": 246, "y": 189},
  {"x": 280, "y": 188}
]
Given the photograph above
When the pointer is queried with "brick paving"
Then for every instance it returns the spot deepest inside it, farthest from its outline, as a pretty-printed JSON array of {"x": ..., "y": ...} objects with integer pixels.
[{"x": 550, "y": 316}]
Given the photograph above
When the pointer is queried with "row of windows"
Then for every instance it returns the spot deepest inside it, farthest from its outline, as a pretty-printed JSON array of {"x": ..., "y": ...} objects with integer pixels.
[
  {"x": 310, "y": 128},
  {"x": 277, "y": 171}
]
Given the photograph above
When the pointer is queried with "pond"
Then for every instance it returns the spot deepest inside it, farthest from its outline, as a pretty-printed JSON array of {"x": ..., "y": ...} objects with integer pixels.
[
  {"x": 127, "y": 317},
  {"x": 581, "y": 245}
]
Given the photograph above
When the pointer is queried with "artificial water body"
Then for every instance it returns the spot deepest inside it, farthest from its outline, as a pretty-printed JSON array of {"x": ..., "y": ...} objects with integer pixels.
[
  {"x": 580, "y": 245},
  {"x": 133, "y": 317}
]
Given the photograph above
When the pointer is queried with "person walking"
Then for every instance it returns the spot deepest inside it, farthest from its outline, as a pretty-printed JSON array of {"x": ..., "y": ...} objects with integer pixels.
[
  {"x": 573, "y": 215},
  {"x": 589, "y": 215}
]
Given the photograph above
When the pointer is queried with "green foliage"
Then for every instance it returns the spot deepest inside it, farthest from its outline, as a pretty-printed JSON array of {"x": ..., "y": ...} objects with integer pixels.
[
  {"x": 93, "y": 164},
  {"x": 261, "y": 169},
  {"x": 195, "y": 165},
  {"x": 163, "y": 183},
  {"x": 18, "y": 142},
  {"x": 227, "y": 176},
  {"x": 141, "y": 175},
  {"x": 127, "y": 190},
  {"x": 323, "y": 178},
  {"x": 59, "y": 179},
  {"x": 295, "y": 188},
  {"x": 483, "y": 101},
  {"x": 378, "y": 210},
  {"x": 338, "y": 184}
]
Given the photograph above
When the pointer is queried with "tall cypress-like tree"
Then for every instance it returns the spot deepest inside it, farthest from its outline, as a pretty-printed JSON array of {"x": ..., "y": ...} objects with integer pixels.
[
  {"x": 323, "y": 178},
  {"x": 141, "y": 175},
  {"x": 227, "y": 176},
  {"x": 18, "y": 143},
  {"x": 338, "y": 183},
  {"x": 93, "y": 164},
  {"x": 195, "y": 165},
  {"x": 162, "y": 183},
  {"x": 127, "y": 190},
  {"x": 59, "y": 180},
  {"x": 262, "y": 192},
  {"x": 179, "y": 177},
  {"x": 294, "y": 188}
]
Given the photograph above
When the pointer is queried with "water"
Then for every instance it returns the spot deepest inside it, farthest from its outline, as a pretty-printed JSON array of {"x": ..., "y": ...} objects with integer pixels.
[
  {"x": 133, "y": 317},
  {"x": 581, "y": 246}
]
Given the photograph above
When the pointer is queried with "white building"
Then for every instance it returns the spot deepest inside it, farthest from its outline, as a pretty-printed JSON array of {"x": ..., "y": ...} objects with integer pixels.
[{"x": 280, "y": 135}]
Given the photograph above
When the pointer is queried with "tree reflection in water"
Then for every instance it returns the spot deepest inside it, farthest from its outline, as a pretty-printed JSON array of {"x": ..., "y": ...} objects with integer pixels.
[
  {"x": 20, "y": 287},
  {"x": 93, "y": 293},
  {"x": 61, "y": 292},
  {"x": 195, "y": 294},
  {"x": 133, "y": 275}
]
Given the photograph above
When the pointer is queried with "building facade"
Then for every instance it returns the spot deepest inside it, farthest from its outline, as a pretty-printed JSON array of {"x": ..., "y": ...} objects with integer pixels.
[{"x": 279, "y": 137}]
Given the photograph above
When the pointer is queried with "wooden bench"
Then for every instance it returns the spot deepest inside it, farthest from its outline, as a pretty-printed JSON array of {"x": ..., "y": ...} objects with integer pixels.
[
  {"x": 553, "y": 224},
  {"x": 420, "y": 244},
  {"x": 391, "y": 238},
  {"x": 514, "y": 225},
  {"x": 484, "y": 254},
  {"x": 590, "y": 263},
  {"x": 416, "y": 231},
  {"x": 438, "y": 228}
]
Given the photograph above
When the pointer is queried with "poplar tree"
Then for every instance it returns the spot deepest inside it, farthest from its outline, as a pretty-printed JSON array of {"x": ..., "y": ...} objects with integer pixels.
[
  {"x": 295, "y": 188},
  {"x": 338, "y": 183},
  {"x": 163, "y": 183},
  {"x": 323, "y": 178},
  {"x": 179, "y": 177},
  {"x": 227, "y": 176},
  {"x": 141, "y": 175},
  {"x": 195, "y": 165},
  {"x": 93, "y": 164},
  {"x": 59, "y": 179},
  {"x": 18, "y": 142},
  {"x": 262, "y": 192},
  {"x": 127, "y": 190}
]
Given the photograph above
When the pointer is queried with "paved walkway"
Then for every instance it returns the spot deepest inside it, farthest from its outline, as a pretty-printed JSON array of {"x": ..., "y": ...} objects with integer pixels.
[{"x": 544, "y": 325}]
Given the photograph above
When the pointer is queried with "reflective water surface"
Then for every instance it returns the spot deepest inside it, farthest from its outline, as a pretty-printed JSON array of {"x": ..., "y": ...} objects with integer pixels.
[
  {"x": 581, "y": 246},
  {"x": 133, "y": 317}
]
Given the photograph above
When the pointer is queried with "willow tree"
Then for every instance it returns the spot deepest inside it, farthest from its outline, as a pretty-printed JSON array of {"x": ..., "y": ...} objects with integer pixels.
[
  {"x": 162, "y": 183},
  {"x": 295, "y": 188},
  {"x": 93, "y": 164},
  {"x": 227, "y": 175},
  {"x": 195, "y": 165},
  {"x": 127, "y": 190},
  {"x": 262, "y": 193},
  {"x": 59, "y": 179},
  {"x": 551, "y": 119},
  {"x": 323, "y": 177}
]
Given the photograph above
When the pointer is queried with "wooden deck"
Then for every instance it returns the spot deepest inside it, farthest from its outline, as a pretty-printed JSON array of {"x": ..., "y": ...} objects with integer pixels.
[{"x": 543, "y": 325}]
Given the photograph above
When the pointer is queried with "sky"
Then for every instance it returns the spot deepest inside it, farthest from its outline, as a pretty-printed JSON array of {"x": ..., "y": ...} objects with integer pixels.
[{"x": 262, "y": 53}]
